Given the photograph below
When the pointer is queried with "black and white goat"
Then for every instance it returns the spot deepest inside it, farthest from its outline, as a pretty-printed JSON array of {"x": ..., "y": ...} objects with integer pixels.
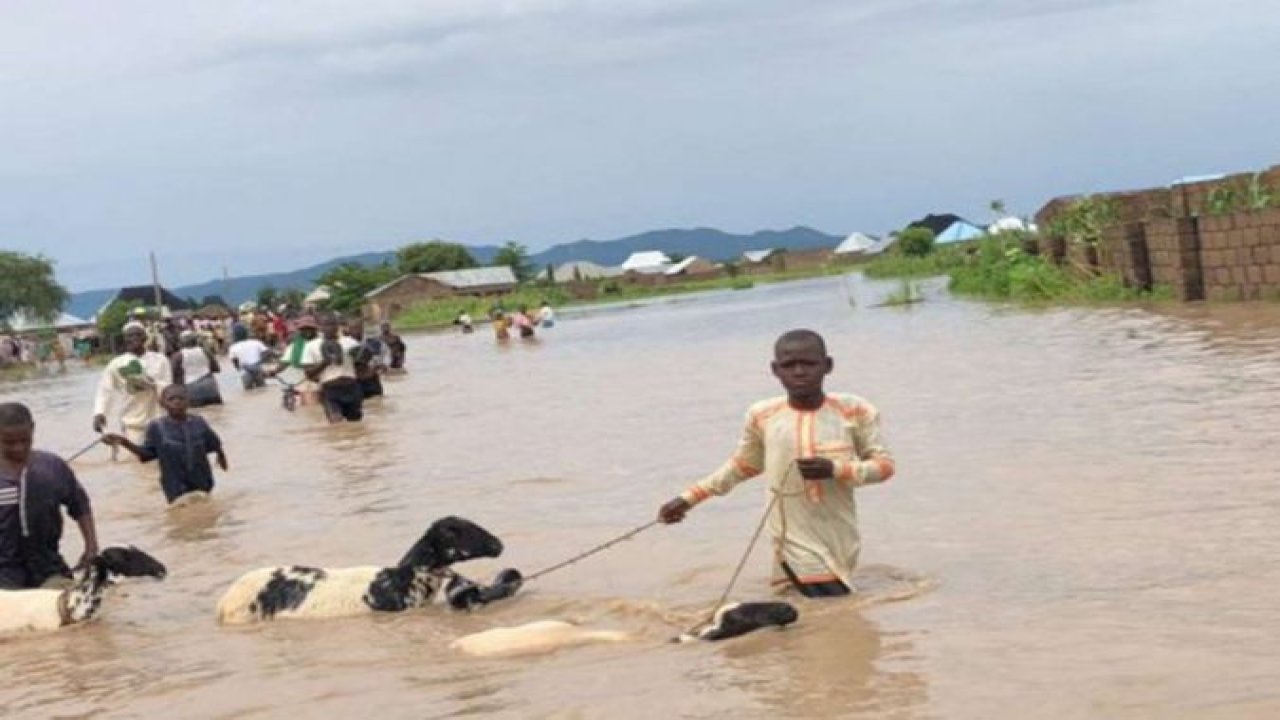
[
  {"x": 26, "y": 610},
  {"x": 294, "y": 591}
]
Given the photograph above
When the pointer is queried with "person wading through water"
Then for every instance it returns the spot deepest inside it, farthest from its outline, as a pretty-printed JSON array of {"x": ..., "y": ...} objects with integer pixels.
[
  {"x": 182, "y": 443},
  {"x": 368, "y": 360},
  {"x": 329, "y": 361},
  {"x": 813, "y": 448},
  {"x": 137, "y": 374},
  {"x": 35, "y": 487},
  {"x": 194, "y": 366}
]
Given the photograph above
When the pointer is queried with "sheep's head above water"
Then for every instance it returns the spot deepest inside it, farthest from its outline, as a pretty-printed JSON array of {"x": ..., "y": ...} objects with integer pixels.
[{"x": 451, "y": 540}]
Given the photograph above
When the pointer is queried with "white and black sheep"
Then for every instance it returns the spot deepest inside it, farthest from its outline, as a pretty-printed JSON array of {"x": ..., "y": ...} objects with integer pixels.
[
  {"x": 26, "y": 610},
  {"x": 294, "y": 591}
]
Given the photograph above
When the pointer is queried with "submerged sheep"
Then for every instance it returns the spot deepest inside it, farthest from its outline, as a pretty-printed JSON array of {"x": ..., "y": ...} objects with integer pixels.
[
  {"x": 39, "y": 609},
  {"x": 545, "y": 636},
  {"x": 297, "y": 591}
]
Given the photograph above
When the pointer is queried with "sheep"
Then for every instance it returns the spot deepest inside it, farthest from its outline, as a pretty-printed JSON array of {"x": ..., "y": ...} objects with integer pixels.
[
  {"x": 542, "y": 636},
  {"x": 737, "y": 619},
  {"x": 296, "y": 591},
  {"x": 545, "y": 636},
  {"x": 37, "y": 610}
]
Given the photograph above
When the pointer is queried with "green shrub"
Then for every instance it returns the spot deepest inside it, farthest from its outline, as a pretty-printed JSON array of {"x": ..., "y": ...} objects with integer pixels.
[{"x": 916, "y": 242}]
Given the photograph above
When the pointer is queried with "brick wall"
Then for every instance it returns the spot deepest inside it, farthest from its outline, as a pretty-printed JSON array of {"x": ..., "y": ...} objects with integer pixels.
[
  {"x": 1177, "y": 238},
  {"x": 1240, "y": 255}
]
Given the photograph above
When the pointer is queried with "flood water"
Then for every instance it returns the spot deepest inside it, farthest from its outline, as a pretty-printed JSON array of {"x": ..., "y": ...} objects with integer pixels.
[{"x": 1084, "y": 523}]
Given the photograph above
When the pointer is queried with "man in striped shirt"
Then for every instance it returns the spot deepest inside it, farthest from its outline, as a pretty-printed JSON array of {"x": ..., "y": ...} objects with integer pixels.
[{"x": 35, "y": 487}]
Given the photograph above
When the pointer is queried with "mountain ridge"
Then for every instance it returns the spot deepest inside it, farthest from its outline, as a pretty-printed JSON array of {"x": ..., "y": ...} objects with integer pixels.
[{"x": 702, "y": 241}]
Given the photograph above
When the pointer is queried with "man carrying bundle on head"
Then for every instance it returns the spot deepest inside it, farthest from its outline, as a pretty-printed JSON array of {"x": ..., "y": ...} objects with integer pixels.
[{"x": 813, "y": 448}]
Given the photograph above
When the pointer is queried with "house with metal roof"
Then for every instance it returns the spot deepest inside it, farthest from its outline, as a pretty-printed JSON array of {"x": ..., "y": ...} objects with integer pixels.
[
  {"x": 855, "y": 244},
  {"x": 145, "y": 295},
  {"x": 646, "y": 261},
  {"x": 692, "y": 266},
  {"x": 21, "y": 322},
  {"x": 580, "y": 270},
  {"x": 758, "y": 256},
  {"x": 384, "y": 303},
  {"x": 948, "y": 228}
]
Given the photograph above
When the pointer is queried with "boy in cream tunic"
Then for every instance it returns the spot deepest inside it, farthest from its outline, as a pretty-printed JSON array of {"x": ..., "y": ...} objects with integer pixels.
[{"x": 813, "y": 448}]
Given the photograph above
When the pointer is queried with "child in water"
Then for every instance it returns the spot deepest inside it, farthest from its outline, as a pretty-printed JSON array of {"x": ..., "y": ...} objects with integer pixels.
[
  {"x": 181, "y": 442},
  {"x": 813, "y": 448}
]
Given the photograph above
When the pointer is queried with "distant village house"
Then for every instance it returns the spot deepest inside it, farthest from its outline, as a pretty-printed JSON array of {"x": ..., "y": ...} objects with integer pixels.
[{"x": 383, "y": 304}]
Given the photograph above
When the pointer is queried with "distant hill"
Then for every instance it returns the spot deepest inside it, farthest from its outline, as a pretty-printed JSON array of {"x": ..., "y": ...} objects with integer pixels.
[{"x": 704, "y": 242}]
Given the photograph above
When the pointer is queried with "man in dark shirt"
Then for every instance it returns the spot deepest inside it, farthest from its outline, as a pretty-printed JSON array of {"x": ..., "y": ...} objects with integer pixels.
[{"x": 34, "y": 487}]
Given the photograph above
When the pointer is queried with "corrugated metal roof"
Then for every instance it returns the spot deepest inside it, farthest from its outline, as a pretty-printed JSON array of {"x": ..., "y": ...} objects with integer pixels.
[
  {"x": 646, "y": 259},
  {"x": 469, "y": 278},
  {"x": 856, "y": 243},
  {"x": 756, "y": 256},
  {"x": 682, "y": 265},
  {"x": 475, "y": 277},
  {"x": 21, "y": 322},
  {"x": 585, "y": 269}
]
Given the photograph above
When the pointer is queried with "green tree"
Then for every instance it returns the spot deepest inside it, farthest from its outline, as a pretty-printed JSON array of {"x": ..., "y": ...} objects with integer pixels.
[
  {"x": 515, "y": 256},
  {"x": 348, "y": 283},
  {"x": 293, "y": 297},
  {"x": 433, "y": 256},
  {"x": 997, "y": 208},
  {"x": 268, "y": 296},
  {"x": 113, "y": 317},
  {"x": 27, "y": 285},
  {"x": 916, "y": 241}
]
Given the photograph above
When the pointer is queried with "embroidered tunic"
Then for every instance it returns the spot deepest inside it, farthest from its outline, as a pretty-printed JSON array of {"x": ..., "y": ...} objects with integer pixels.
[
  {"x": 815, "y": 528},
  {"x": 141, "y": 390}
]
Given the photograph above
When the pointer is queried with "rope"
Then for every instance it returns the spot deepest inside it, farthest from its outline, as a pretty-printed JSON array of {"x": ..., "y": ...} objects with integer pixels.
[
  {"x": 85, "y": 449},
  {"x": 598, "y": 548},
  {"x": 755, "y": 537}
]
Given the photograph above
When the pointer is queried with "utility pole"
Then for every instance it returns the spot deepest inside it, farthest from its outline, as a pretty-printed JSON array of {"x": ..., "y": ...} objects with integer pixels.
[{"x": 155, "y": 283}]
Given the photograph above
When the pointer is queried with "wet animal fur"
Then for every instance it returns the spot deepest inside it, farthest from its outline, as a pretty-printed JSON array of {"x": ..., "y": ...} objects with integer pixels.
[
  {"x": 295, "y": 591},
  {"x": 542, "y": 636},
  {"x": 546, "y": 636},
  {"x": 36, "y": 610},
  {"x": 737, "y": 619}
]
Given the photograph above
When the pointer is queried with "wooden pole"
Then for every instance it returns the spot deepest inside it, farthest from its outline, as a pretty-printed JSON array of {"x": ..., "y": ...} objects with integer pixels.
[{"x": 155, "y": 282}]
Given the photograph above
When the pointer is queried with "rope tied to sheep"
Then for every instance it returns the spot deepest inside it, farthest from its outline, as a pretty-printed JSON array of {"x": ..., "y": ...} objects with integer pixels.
[
  {"x": 598, "y": 548},
  {"x": 737, "y": 572},
  {"x": 84, "y": 449}
]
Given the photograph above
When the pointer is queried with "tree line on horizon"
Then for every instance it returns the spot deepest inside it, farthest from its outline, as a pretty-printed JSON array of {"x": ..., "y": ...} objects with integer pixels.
[{"x": 29, "y": 285}]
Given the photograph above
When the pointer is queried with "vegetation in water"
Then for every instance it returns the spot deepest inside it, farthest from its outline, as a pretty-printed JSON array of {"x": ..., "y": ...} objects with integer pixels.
[
  {"x": 999, "y": 267},
  {"x": 908, "y": 293}
]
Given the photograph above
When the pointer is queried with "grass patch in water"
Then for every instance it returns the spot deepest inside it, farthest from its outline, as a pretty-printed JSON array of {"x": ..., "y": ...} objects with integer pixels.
[
  {"x": 998, "y": 268},
  {"x": 906, "y": 294}
]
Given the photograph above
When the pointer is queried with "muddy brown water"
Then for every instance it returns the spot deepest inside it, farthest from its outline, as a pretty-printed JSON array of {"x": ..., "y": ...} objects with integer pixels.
[{"x": 1084, "y": 523}]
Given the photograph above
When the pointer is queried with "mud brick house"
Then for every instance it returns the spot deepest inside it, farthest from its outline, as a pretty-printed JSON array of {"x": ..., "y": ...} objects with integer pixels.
[{"x": 385, "y": 303}]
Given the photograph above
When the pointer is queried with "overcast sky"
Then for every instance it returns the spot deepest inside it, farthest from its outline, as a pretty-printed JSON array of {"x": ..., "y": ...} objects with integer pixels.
[{"x": 268, "y": 136}]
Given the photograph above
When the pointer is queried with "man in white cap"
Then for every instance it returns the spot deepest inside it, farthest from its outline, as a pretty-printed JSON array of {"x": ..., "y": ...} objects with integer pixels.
[{"x": 139, "y": 375}]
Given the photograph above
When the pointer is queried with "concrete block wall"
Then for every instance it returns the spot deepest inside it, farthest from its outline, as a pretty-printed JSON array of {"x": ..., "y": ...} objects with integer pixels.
[{"x": 1171, "y": 237}]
